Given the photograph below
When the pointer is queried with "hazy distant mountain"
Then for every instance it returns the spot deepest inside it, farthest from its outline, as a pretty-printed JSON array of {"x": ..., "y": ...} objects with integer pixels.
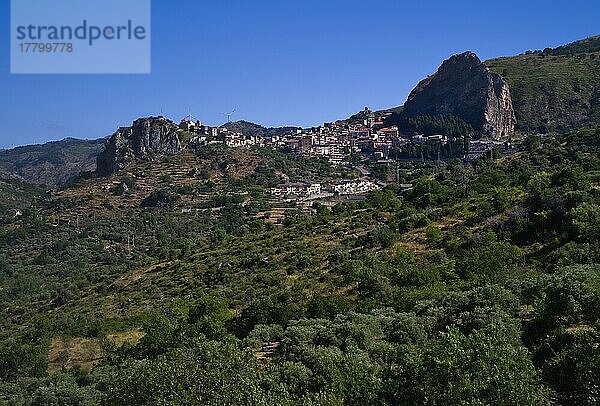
[
  {"x": 554, "y": 89},
  {"x": 52, "y": 163}
]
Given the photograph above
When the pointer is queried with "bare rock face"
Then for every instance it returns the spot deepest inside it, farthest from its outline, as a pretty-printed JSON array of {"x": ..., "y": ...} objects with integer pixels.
[
  {"x": 464, "y": 87},
  {"x": 145, "y": 140}
]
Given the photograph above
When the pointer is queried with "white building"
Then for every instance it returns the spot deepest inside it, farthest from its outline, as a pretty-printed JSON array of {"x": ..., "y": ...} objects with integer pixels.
[
  {"x": 354, "y": 187},
  {"x": 298, "y": 190},
  {"x": 236, "y": 140}
]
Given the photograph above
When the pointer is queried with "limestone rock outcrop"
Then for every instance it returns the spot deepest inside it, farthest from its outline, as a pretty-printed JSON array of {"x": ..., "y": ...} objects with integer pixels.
[
  {"x": 464, "y": 87},
  {"x": 147, "y": 139}
]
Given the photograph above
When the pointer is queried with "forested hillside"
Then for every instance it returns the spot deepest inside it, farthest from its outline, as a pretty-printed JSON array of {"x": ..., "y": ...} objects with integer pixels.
[
  {"x": 50, "y": 164},
  {"x": 480, "y": 285}
]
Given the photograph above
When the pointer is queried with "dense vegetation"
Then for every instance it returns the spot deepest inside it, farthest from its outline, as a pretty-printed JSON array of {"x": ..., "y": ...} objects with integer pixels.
[
  {"x": 481, "y": 285},
  {"x": 14, "y": 194},
  {"x": 554, "y": 89},
  {"x": 591, "y": 44},
  {"x": 432, "y": 150},
  {"x": 446, "y": 124}
]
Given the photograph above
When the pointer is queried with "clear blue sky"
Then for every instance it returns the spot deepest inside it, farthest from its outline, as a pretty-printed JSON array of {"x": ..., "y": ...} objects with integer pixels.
[{"x": 279, "y": 62}]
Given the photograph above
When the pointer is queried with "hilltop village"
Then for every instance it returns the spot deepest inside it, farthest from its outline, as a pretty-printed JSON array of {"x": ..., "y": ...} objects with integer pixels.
[{"x": 364, "y": 134}]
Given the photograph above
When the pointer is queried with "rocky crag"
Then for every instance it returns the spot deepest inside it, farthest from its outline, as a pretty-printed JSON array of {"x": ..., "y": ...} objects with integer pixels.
[
  {"x": 464, "y": 87},
  {"x": 145, "y": 140}
]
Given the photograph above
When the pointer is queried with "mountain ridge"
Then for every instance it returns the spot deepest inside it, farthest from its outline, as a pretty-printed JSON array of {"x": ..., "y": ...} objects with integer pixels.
[
  {"x": 554, "y": 89},
  {"x": 52, "y": 163},
  {"x": 253, "y": 129}
]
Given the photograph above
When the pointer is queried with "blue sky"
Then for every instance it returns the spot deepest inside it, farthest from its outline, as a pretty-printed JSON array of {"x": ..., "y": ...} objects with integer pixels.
[{"x": 279, "y": 62}]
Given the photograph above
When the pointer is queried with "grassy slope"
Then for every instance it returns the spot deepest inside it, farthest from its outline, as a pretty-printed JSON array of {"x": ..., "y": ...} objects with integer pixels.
[
  {"x": 119, "y": 282},
  {"x": 87, "y": 248},
  {"x": 91, "y": 274},
  {"x": 89, "y": 270},
  {"x": 556, "y": 89}
]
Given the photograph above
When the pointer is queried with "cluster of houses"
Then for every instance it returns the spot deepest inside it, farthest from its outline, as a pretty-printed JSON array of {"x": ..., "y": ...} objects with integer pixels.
[
  {"x": 297, "y": 190},
  {"x": 237, "y": 140},
  {"x": 300, "y": 191},
  {"x": 354, "y": 187},
  {"x": 335, "y": 141},
  {"x": 203, "y": 134},
  {"x": 365, "y": 134}
]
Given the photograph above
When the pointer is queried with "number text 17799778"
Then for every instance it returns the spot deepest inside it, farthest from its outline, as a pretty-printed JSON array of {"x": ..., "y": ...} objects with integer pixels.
[{"x": 50, "y": 47}]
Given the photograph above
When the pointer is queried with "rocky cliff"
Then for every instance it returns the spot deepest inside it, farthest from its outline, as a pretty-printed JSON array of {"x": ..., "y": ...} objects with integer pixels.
[
  {"x": 464, "y": 87},
  {"x": 145, "y": 140}
]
